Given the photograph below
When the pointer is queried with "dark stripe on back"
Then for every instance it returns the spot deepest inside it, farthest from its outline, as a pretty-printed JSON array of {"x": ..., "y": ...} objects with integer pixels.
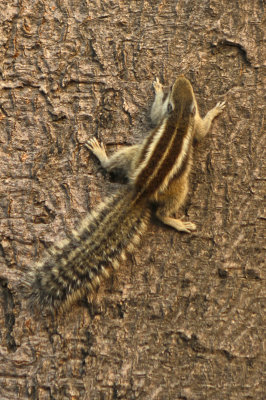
[
  {"x": 167, "y": 164},
  {"x": 182, "y": 169},
  {"x": 146, "y": 147},
  {"x": 158, "y": 151}
]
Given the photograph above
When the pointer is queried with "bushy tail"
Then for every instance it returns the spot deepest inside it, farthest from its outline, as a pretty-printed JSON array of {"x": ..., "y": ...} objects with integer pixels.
[{"x": 75, "y": 267}]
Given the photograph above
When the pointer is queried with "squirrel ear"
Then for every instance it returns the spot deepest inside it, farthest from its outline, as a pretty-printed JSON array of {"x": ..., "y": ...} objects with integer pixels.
[{"x": 192, "y": 109}]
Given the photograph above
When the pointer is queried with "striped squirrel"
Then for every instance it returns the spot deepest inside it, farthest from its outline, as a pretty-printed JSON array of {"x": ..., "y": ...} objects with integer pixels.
[{"x": 157, "y": 170}]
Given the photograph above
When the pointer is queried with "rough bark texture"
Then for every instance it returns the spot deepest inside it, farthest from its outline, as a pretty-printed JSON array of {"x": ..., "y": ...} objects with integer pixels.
[{"x": 182, "y": 319}]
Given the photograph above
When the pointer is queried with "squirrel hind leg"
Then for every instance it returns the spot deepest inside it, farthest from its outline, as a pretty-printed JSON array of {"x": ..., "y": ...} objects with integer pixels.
[
  {"x": 169, "y": 203},
  {"x": 178, "y": 224}
]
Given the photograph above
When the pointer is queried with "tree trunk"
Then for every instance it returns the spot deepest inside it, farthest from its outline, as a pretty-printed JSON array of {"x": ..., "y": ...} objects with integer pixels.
[{"x": 182, "y": 318}]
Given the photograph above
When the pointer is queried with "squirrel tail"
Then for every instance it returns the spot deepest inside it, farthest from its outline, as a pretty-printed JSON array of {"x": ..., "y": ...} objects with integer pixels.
[{"x": 75, "y": 267}]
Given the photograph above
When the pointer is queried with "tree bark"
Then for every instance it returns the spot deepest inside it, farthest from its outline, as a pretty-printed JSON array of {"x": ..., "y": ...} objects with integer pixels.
[{"x": 183, "y": 317}]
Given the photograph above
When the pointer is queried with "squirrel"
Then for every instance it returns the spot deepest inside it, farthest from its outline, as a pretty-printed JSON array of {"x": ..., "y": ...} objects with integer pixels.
[{"x": 157, "y": 171}]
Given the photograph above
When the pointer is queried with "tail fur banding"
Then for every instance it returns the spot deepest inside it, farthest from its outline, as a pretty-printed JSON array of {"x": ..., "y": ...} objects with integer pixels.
[{"x": 75, "y": 267}]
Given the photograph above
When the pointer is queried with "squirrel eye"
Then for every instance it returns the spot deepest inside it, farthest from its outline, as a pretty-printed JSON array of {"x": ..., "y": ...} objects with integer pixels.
[{"x": 169, "y": 108}]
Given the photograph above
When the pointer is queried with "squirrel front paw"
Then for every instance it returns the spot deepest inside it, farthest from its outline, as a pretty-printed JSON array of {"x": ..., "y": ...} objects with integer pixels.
[
  {"x": 219, "y": 108},
  {"x": 97, "y": 148},
  {"x": 158, "y": 87}
]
